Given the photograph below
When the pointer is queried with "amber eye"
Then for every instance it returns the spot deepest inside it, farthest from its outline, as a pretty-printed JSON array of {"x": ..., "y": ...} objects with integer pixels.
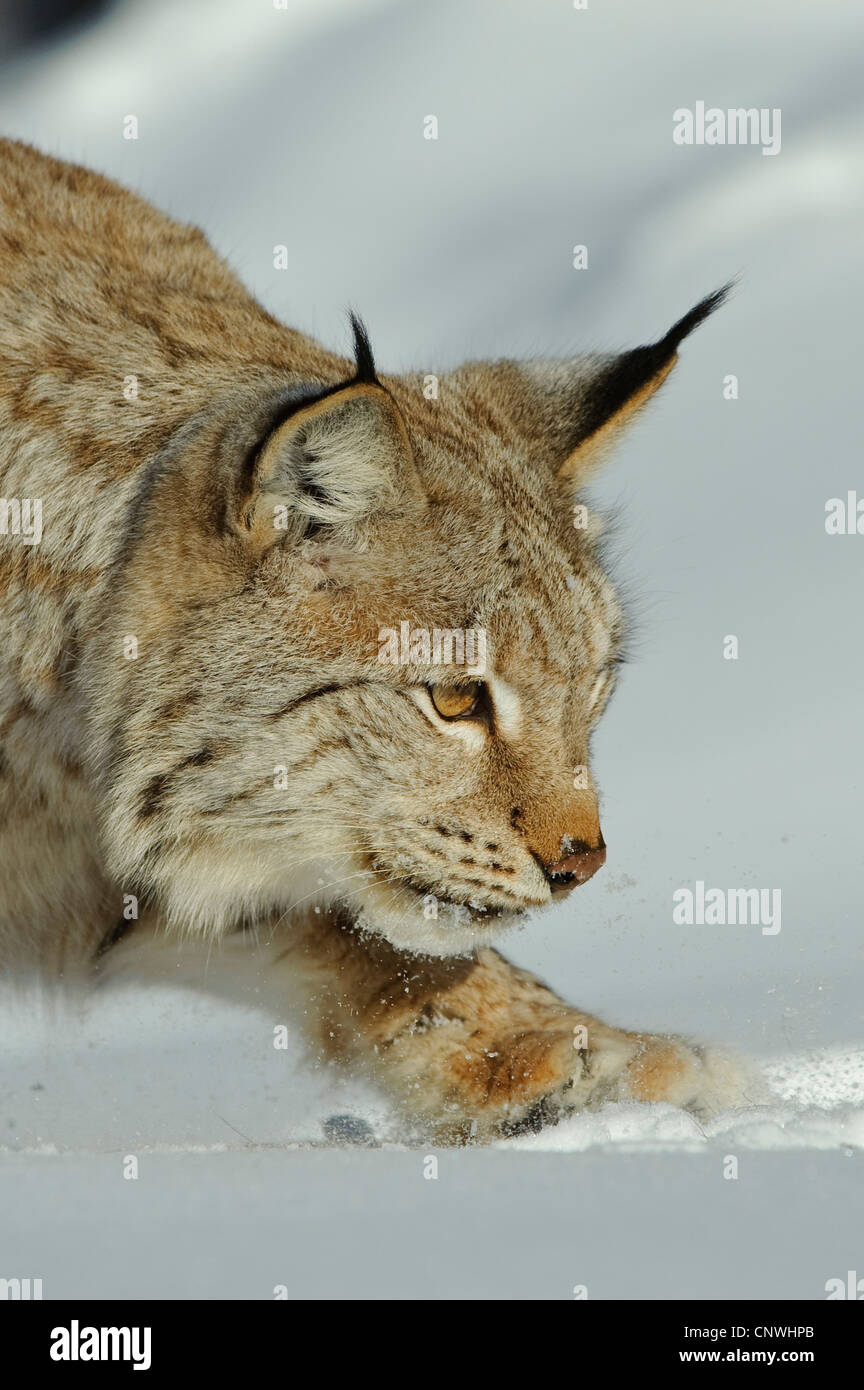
[{"x": 456, "y": 701}]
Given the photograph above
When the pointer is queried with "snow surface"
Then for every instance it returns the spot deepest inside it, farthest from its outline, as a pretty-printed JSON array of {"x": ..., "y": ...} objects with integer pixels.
[{"x": 305, "y": 128}]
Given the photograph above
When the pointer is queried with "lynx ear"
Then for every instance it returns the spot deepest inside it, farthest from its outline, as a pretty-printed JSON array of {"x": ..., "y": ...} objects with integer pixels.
[
  {"x": 622, "y": 386},
  {"x": 332, "y": 462},
  {"x": 573, "y": 411}
]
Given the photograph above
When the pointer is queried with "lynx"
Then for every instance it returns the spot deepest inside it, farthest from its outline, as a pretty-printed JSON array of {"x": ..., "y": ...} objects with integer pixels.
[{"x": 201, "y": 753}]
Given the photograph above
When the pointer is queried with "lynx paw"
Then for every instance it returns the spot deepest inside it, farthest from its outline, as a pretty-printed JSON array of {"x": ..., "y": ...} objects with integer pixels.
[
  {"x": 703, "y": 1080},
  {"x": 647, "y": 1068},
  {"x": 534, "y": 1079}
]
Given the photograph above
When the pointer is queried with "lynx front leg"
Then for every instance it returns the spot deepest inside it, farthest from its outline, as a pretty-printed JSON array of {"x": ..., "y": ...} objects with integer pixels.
[
  {"x": 475, "y": 1047},
  {"x": 472, "y": 1047}
]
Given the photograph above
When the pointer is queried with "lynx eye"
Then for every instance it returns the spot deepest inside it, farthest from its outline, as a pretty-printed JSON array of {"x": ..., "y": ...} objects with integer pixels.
[{"x": 457, "y": 701}]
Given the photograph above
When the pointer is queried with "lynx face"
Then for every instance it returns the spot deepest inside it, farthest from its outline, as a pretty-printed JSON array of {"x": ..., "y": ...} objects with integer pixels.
[{"x": 267, "y": 746}]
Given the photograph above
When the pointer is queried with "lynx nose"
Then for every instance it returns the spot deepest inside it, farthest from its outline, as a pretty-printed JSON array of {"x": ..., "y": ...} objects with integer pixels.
[{"x": 581, "y": 863}]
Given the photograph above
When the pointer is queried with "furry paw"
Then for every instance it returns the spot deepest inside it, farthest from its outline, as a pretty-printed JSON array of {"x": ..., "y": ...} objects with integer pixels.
[
  {"x": 703, "y": 1080},
  {"x": 526, "y": 1082}
]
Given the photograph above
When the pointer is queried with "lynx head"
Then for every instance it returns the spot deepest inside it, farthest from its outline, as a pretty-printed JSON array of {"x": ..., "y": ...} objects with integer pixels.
[{"x": 373, "y": 639}]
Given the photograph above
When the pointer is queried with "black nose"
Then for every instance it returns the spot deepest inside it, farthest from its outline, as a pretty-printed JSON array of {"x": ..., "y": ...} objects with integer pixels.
[{"x": 581, "y": 863}]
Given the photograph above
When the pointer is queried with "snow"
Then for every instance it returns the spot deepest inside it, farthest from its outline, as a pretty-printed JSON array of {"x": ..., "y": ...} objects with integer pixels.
[
  {"x": 304, "y": 127},
  {"x": 818, "y": 1104},
  {"x": 257, "y": 1170}
]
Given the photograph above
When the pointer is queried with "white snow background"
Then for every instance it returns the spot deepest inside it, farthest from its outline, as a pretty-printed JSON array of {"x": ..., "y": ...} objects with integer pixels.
[{"x": 305, "y": 127}]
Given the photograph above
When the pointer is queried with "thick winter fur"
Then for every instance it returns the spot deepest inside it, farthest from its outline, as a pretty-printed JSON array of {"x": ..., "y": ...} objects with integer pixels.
[{"x": 193, "y": 714}]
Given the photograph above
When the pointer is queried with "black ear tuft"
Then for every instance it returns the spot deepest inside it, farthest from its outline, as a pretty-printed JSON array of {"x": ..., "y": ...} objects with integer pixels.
[
  {"x": 698, "y": 314},
  {"x": 633, "y": 372},
  {"x": 363, "y": 352}
]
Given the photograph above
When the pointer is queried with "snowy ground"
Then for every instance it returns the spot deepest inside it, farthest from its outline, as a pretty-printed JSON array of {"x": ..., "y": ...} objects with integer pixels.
[
  {"x": 305, "y": 128},
  {"x": 247, "y": 1181}
]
